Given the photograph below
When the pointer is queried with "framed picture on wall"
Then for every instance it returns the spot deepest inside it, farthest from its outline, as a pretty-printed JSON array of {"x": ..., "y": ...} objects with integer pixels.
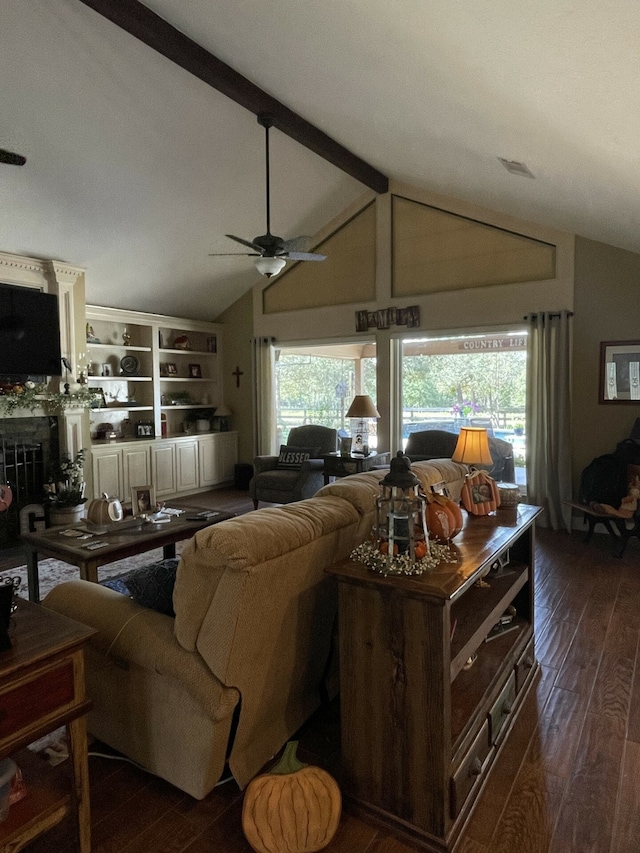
[{"x": 619, "y": 372}]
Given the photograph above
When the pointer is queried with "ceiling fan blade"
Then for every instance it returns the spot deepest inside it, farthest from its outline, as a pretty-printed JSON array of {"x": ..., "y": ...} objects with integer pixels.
[
  {"x": 297, "y": 244},
  {"x": 304, "y": 256},
  {"x": 11, "y": 158},
  {"x": 235, "y": 254},
  {"x": 244, "y": 242}
]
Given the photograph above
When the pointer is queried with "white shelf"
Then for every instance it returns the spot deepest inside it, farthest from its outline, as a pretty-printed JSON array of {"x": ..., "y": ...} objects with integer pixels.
[
  {"x": 124, "y": 408},
  {"x": 122, "y": 378},
  {"x": 187, "y": 352},
  {"x": 184, "y": 379},
  {"x": 118, "y": 347}
]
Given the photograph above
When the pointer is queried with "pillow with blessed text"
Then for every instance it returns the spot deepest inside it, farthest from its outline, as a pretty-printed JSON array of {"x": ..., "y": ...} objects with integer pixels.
[{"x": 293, "y": 457}]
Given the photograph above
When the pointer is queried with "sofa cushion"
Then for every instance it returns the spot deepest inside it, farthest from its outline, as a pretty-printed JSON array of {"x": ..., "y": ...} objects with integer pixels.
[
  {"x": 292, "y": 457},
  {"x": 240, "y": 544},
  {"x": 152, "y": 586}
]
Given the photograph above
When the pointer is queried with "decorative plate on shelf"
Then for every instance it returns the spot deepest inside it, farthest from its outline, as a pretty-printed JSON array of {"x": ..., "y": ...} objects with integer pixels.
[{"x": 129, "y": 365}]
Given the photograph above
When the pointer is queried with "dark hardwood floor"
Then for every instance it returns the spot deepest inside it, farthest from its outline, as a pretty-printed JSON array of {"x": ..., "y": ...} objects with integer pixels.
[{"x": 567, "y": 780}]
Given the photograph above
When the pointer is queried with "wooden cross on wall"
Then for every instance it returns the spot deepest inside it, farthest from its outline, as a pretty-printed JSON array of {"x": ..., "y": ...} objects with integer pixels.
[{"x": 237, "y": 373}]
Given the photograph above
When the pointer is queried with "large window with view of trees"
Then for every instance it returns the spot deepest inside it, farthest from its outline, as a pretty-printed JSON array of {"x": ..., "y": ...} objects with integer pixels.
[
  {"x": 316, "y": 384},
  {"x": 467, "y": 380}
]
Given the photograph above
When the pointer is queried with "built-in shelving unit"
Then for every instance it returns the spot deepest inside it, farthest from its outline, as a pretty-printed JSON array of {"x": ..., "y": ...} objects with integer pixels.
[{"x": 156, "y": 383}]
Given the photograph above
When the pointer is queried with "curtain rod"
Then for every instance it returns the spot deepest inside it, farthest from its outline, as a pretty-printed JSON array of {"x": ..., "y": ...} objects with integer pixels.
[{"x": 550, "y": 315}]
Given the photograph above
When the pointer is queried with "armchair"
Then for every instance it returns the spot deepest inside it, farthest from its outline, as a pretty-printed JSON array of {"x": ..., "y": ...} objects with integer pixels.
[
  {"x": 439, "y": 444},
  {"x": 277, "y": 484}
]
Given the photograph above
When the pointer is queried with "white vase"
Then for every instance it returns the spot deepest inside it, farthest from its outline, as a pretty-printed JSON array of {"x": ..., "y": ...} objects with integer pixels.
[{"x": 66, "y": 514}]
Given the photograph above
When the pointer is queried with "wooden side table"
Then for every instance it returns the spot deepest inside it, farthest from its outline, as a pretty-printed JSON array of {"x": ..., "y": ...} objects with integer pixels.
[
  {"x": 336, "y": 465},
  {"x": 41, "y": 689}
]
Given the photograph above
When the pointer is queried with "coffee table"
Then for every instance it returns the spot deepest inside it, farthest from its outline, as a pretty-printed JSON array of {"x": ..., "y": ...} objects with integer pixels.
[{"x": 117, "y": 543}]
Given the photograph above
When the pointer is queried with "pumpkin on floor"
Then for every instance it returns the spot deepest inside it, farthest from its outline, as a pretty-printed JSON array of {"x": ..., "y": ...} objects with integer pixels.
[{"x": 294, "y": 808}]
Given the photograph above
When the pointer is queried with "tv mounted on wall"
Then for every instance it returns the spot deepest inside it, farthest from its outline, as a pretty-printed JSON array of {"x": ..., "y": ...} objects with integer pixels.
[{"x": 29, "y": 333}]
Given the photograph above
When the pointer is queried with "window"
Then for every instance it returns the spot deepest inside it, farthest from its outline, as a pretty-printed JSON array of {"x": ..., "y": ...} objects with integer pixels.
[
  {"x": 316, "y": 384},
  {"x": 467, "y": 380}
]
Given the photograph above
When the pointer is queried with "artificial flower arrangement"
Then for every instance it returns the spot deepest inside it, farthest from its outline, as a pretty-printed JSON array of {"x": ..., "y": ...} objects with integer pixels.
[
  {"x": 66, "y": 486},
  {"x": 377, "y": 558}
]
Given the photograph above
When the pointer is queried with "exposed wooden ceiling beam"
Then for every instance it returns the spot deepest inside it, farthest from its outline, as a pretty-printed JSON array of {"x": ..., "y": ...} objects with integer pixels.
[{"x": 141, "y": 22}]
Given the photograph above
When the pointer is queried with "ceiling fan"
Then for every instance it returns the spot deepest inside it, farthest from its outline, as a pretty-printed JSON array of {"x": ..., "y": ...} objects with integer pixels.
[
  {"x": 11, "y": 158},
  {"x": 272, "y": 252}
]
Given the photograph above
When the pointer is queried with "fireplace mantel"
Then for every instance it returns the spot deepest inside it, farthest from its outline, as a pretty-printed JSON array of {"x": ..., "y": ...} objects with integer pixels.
[{"x": 67, "y": 282}]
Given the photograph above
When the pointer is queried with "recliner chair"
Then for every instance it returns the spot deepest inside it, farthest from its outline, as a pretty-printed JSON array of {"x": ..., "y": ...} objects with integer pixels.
[
  {"x": 276, "y": 481},
  {"x": 439, "y": 444}
]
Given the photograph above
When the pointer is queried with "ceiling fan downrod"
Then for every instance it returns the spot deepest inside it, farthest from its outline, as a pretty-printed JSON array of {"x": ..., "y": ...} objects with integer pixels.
[{"x": 266, "y": 120}]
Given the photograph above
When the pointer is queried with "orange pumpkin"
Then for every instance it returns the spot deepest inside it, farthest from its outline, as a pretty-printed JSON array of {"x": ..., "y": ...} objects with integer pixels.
[
  {"x": 295, "y": 807},
  {"x": 480, "y": 494},
  {"x": 444, "y": 518},
  {"x": 420, "y": 549}
]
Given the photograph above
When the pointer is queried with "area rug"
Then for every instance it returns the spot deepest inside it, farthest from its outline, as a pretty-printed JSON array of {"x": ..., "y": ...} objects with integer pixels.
[{"x": 52, "y": 572}]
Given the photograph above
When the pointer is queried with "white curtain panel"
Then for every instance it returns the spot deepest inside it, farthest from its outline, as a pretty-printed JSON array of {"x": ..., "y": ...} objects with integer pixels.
[
  {"x": 549, "y": 416},
  {"x": 264, "y": 408}
]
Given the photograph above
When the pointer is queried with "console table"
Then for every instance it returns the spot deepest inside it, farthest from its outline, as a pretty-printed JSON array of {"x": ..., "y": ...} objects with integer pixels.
[
  {"x": 429, "y": 691},
  {"x": 42, "y": 688}
]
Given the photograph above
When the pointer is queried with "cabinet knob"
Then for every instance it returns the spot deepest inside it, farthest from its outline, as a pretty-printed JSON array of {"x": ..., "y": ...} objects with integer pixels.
[
  {"x": 507, "y": 708},
  {"x": 476, "y": 767},
  {"x": 528, "y": 662}
]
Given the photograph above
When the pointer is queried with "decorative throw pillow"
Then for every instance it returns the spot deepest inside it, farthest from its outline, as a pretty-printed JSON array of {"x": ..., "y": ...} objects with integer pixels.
[
  {"x": 293, "y": 457},
  {"x": 152, "y": 585}
]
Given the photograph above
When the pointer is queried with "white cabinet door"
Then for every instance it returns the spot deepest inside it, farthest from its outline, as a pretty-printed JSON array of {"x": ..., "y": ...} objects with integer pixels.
[
  {"x": 163, "y": 468},
  {"x": 136, "y": 468},
  {"x": 207, "y": 455},
  {"x": 226, "y": 456},
  {"x": 107, "y": 472},
  {"x": 186, "y": 465}
]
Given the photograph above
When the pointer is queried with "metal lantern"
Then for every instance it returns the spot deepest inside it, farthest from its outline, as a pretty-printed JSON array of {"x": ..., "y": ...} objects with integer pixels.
[{"x": 401, "y": 526}]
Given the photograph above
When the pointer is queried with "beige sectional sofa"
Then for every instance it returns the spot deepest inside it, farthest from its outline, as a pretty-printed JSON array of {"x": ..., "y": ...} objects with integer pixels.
[{"x": 239, "y": 669}]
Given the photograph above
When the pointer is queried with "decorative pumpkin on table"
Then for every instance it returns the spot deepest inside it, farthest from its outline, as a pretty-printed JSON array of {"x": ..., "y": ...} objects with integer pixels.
[
  {"x": 294, "y": 808},
  {"x": 444, "y": 517}
]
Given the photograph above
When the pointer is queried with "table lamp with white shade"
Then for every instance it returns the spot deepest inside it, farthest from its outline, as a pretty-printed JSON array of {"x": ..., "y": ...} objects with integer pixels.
[{"x": 361, "y": 411}]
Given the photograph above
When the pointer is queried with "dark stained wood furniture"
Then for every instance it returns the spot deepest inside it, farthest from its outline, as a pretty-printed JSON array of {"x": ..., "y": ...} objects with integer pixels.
[
  {"x": 336, "y": 465},
  {"x": 41, "y": 689},
  {"x": 420, "y": 728},
  {"x": 121, "y": 542},
  {"x": 620, "y": 529}
]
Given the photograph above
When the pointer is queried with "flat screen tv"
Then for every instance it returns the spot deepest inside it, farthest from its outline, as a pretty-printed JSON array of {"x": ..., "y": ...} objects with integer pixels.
[{"x": 29, "y": 333}]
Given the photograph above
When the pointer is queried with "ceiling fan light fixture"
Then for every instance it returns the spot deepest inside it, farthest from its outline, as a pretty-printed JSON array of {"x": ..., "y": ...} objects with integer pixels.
[{"x": 270, "y": 266}]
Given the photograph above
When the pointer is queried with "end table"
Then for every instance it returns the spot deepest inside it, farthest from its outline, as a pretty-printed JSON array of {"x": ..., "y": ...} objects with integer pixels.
[{"x": 336, "y": 465}]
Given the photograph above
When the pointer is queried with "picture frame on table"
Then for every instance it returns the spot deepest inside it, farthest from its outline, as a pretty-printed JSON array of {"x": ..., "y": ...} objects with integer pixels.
[
  {"x": 143, "y": 499},
  {"x": 619, "y": 372}
]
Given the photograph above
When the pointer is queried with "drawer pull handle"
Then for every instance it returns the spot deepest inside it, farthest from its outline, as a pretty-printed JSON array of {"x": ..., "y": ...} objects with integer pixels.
[
  {"x": 476, "y": 767},
  {"x": 507, "y": 708}
]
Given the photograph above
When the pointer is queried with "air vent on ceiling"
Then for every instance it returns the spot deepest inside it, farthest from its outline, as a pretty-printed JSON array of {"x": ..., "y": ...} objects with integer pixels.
[{"x": 517, "y": 168}]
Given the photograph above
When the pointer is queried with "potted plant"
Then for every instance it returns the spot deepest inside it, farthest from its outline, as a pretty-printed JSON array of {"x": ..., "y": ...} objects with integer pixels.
[
  {"x": 518, "y": 428},
  {"x": 65, "y": 490}
]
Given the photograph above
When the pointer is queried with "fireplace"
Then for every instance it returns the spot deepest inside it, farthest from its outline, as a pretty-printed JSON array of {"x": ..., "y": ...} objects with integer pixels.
[{"x": 27, "y": 446}]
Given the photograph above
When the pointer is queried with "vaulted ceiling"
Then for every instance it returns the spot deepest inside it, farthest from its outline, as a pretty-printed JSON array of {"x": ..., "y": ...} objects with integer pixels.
[{"x": 136, "y": 169}]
